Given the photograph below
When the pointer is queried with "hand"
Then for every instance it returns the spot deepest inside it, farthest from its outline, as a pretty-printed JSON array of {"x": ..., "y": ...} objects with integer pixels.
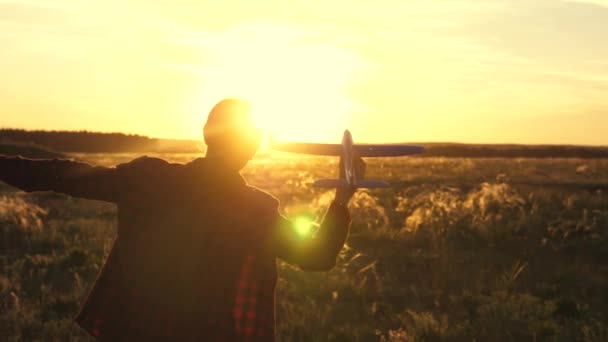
[{"x": 343, "y": 195}]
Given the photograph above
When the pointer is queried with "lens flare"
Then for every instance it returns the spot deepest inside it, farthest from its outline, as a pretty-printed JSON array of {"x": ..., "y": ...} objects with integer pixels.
[{"x": 303, "y": 226}]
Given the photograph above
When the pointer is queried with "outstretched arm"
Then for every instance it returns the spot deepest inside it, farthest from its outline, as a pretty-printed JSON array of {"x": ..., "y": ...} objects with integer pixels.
[{"x": 59, "y": 175}]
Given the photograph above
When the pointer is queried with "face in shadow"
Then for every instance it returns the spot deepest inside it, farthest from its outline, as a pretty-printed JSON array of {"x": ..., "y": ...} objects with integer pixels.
[{"x": 230, "y": 134}]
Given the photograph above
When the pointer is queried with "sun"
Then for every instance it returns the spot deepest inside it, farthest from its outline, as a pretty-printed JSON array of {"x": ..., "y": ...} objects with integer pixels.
[{"x": 298, "y": 88}]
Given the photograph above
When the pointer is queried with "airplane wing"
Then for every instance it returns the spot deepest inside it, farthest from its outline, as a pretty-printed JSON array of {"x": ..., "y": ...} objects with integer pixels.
[
  {"x": 386, "y": 150},
  {"x": 365, "y": 150},
  {"x": 308, "y": 148}
]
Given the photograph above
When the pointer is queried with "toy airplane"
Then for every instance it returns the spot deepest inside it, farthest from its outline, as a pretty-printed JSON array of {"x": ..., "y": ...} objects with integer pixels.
[{"x": 348, "y": 150}]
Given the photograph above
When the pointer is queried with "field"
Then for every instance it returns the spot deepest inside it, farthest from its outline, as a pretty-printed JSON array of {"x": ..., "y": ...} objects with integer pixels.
[{"x": 459, "y": 250}]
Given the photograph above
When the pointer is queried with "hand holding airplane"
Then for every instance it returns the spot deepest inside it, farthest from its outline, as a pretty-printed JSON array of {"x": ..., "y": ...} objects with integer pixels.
[
  {"x": 344, "y": 194},
  {"x": 350, "y": 159}
]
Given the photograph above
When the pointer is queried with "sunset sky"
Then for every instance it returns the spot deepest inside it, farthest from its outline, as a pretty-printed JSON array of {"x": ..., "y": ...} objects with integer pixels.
[{"x": 390, "y": 70}]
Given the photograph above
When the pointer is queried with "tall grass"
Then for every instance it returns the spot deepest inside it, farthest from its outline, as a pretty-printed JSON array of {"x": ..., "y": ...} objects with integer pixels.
[{"x": 459, "y": 250}]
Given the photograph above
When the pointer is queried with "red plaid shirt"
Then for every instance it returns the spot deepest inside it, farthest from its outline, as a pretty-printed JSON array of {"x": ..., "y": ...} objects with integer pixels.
[
  {"x": 250, "y": 318},
  {"x": 253, "y": 311}
]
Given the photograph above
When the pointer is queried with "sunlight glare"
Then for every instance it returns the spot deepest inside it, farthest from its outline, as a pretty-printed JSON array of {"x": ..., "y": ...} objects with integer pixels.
[{"x": 298, "y": 88}]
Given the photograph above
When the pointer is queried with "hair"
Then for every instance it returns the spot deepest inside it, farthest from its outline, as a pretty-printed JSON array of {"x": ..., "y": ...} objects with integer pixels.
[
  {"x": 230, "y": 134},
  {"x": 228, "y": 120}
]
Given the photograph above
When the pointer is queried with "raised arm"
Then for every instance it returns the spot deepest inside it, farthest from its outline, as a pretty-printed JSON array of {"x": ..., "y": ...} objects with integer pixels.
[
  {"x": 59, "y": 175},
  {"x": 318, "y": 252}
]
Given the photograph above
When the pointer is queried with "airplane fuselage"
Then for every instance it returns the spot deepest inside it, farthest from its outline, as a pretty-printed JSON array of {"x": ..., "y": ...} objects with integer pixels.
[{"x": 347, "y": 155}]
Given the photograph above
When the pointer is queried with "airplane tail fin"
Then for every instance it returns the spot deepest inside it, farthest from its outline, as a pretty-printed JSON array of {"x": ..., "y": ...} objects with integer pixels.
[{"x": 342, "y": 183}]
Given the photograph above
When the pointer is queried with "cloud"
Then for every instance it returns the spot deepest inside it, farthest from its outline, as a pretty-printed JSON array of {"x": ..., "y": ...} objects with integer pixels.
[
  {"x": 28, "y": 13},
  {"x": 556, "y": 32},
  {"x": 548, "y": 53},
  {"x": 603, "y": 3},
  {"x": 461, "y": 59}
]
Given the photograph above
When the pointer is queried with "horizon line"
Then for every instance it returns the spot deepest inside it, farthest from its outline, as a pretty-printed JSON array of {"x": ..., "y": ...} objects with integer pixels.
[{"x": 2, "y": 128}]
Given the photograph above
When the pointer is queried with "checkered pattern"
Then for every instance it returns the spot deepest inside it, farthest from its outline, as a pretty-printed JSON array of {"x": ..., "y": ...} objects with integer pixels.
[
  {"x": 251, "y": 317},
  {"x": 253, "y": 311}
]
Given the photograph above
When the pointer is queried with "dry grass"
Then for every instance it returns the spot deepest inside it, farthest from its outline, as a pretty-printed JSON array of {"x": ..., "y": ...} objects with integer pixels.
[{"x": 459, "y": 250}]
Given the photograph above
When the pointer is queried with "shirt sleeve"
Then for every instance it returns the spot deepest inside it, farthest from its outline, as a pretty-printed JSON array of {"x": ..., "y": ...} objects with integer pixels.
[
  {"x": 317, "y": 252},
  {"x": 60, "y": 175}
]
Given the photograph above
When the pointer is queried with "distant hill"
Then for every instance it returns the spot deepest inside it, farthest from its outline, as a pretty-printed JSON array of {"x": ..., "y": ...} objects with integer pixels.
[
  {"x": 513, "y": 151},
  {"x": 95, "y": 142}
]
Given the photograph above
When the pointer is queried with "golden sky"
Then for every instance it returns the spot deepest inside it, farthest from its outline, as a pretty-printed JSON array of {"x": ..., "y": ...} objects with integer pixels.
[{"x": 390, "y": 70}]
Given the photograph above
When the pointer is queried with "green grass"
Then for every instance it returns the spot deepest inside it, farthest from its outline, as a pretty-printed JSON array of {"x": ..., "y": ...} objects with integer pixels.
[{"x": 459, "y": 250}]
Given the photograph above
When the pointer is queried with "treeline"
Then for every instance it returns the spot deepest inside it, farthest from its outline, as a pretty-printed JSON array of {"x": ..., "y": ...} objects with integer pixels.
[
  {"x": 514, "y": 151},
  {"x": 95, "y": 142}
]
